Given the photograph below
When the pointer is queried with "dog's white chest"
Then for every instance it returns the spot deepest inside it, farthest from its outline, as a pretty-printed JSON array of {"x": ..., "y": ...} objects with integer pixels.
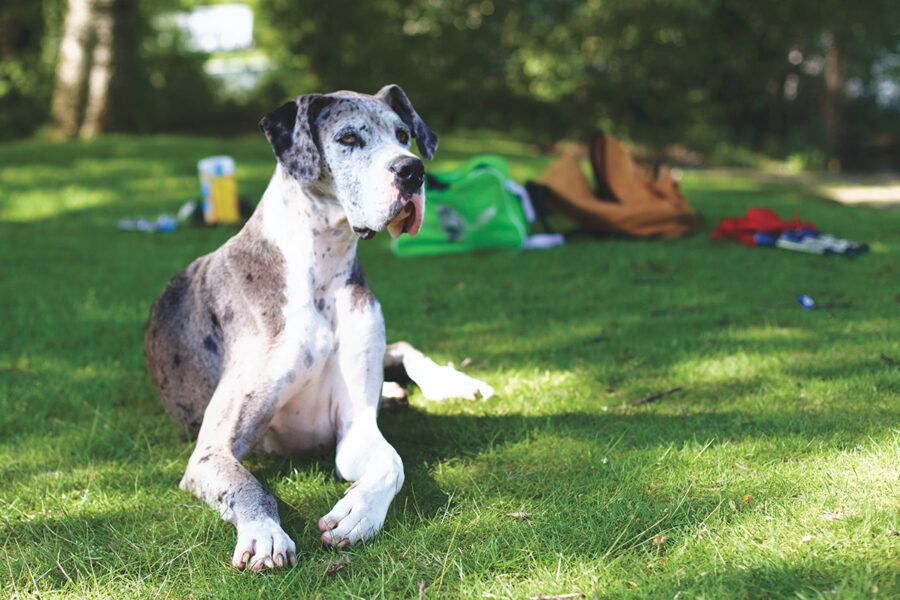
[{"x": 303, "y": 421}]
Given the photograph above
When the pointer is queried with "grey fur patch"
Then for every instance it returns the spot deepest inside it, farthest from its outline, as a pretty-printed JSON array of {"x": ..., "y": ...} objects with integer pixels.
[
  {"x": 183, "y": 370},
  {"x": 264, "y": 267}
]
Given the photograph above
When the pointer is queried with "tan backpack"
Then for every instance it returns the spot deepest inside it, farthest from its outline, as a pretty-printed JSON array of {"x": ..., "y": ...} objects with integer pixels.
[{"x": 629, "y": 198}]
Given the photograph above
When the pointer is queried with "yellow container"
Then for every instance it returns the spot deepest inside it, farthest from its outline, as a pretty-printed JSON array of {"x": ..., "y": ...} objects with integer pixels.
[{"x": 219, "y": 187}]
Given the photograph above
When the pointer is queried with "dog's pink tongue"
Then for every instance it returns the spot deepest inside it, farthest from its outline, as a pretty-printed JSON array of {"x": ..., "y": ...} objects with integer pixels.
[{"x": 414, "y": 221}]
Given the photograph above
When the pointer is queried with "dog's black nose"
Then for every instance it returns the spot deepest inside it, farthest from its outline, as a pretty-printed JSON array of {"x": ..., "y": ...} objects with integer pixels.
[{"x": 409, "y": 173}]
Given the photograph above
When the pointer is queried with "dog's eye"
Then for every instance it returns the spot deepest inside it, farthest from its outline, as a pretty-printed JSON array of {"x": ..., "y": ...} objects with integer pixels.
[
  {"x": 349, "y": 139},
  {"x": 402, "y": 136}
]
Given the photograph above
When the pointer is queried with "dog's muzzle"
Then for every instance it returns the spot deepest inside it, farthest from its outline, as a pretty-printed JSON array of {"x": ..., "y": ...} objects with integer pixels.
[{"x": 409, "y": 177}]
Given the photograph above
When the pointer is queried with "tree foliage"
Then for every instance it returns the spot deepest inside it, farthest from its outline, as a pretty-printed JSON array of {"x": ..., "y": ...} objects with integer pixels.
[
  {"x": 695, "y": 71},
  {"x": 775, "y": 75},
  {"x": 26, "y": 64}
]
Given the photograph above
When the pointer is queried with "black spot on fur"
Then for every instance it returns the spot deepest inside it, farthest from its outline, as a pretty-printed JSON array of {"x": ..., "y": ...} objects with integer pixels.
[
  {"x": 321, "y": 304},
  {"x": 176, "y": 360},
  {"x": 361, "y": 295},
  {"x": 203, "y": 460},
  {"x": 170, "y": 300},
  {"x": 356, "y": 276},
  {"x": 307, "y": 359},
  {"x": 210, "y": 345}
]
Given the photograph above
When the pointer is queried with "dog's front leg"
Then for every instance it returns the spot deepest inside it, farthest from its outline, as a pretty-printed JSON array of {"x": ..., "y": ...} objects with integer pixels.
[
  {"x": 238, "y": 414},
  {"x": 363, "y": 455}
]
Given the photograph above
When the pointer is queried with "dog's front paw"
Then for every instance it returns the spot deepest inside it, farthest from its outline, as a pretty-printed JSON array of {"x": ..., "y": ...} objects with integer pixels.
[
  {"x": 263, "y": 545},
  {"x": 355, "y": 518},
  {"x": 444, "y": 383}
]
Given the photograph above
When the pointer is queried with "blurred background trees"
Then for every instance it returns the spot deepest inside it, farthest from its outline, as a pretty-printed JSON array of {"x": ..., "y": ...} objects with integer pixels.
[{"x": 812, "y": 78}]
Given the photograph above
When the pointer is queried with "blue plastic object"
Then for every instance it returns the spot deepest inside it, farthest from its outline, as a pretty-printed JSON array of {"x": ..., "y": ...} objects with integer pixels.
[{"x": 806, "y": 302}]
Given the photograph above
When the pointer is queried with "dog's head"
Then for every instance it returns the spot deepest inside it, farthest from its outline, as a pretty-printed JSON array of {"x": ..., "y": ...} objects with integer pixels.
[{"x": 355, "y": 149}]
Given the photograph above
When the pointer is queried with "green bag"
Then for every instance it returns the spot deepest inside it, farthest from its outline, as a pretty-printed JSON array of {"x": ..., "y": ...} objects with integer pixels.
[{"x": 467, "y": 208}]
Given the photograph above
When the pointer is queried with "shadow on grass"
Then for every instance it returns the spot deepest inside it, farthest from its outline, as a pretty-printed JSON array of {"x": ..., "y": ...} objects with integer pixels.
[{"x": 75, "y": 296}]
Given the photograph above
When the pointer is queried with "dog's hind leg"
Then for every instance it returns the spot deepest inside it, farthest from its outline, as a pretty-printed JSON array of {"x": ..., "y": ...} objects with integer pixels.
[
  {"x": 435, "y": 381},
  {"x": 237, "y": 416}
]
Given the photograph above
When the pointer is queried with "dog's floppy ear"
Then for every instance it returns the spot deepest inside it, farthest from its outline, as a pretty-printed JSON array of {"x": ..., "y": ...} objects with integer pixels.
[
  {"x": 291, "y": 131},
  {"x": 394, "y": 96}
]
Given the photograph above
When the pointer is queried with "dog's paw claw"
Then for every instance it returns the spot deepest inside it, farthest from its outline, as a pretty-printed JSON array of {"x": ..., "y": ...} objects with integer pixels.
[
  {"x": 263, "y": 545},
  {"x": 355, "y": 518}
]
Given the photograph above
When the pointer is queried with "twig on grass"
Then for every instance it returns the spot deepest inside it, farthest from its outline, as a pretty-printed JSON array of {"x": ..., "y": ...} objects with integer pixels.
[
  {"x": 655, "y": 397},
  {"x": 422, "y": 585}
]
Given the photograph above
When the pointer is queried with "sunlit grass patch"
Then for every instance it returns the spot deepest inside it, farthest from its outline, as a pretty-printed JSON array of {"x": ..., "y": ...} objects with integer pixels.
[
  {"x": 41, "y": 203},
  {"x": 668, "y": 420}
]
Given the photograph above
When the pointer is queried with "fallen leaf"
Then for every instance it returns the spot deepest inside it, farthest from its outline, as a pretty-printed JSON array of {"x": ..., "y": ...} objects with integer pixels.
[
  {"x": 659, "y": 539},
  {"x": 631, "y": 584},
  {"x": 337, "y": 566},
  {"x": 663, "y": 561},
  {"x": 518, "y": 515},
  {"x": 746, "y": 499}
]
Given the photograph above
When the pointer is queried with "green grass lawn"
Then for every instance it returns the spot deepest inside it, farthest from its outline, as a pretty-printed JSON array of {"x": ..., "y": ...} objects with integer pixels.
[{"x": 774, "y": 472}]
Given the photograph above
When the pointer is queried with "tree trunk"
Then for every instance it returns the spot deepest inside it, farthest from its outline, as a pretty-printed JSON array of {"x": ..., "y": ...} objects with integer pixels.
[
  {"x": 94, "y": 61},
  {"x": 834, "y": 84},
  {"x": 101, "y": 72},
  {"x": 71, "y": 70}
]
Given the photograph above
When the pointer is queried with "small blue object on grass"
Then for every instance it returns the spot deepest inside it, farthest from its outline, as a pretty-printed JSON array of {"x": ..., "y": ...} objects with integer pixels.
[
  {"x": 164, "y": 223},
  {"x": 806, "y": 302}
]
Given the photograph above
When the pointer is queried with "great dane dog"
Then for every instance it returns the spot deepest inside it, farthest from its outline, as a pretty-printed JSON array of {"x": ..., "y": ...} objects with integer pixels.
[{"x": 275, "y": 343}]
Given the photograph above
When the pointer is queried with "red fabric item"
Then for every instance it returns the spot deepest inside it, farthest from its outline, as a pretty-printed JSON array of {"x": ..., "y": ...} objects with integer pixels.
[{"x": 757, "y": 220}]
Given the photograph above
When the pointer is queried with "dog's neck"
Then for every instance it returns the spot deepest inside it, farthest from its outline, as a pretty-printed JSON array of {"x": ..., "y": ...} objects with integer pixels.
[{"x": 306, "y": 224}]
